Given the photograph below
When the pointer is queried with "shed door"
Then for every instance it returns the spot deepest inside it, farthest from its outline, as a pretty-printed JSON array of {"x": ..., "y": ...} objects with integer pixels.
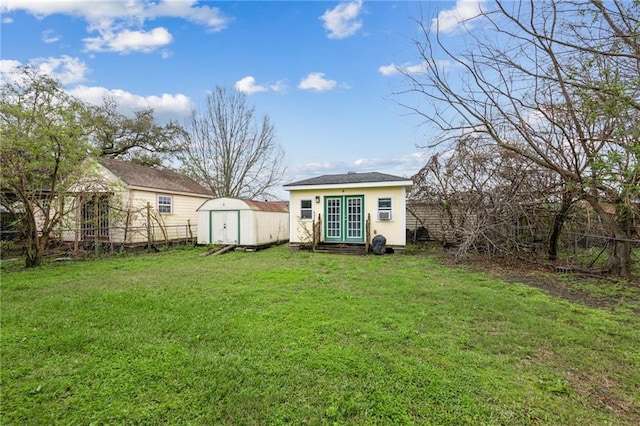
[{"x": 225, "y": 227}]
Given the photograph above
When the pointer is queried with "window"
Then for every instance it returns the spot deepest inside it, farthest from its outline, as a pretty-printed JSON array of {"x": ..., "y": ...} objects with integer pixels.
[
  {"x": 165, "y": 204},
  {"x": 306, "y": 212},
  {"x": 384, "y": 208}
]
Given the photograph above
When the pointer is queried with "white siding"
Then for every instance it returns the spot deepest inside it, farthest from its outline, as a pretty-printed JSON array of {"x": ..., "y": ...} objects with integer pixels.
[
  {"x": 256, "y": 227},
  {"x": 271, "y": 227},
  {"x": 178, "y": 224}
]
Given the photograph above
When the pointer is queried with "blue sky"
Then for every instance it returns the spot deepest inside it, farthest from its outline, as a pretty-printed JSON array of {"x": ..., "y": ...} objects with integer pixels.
[{"x": 325, "y": 72}]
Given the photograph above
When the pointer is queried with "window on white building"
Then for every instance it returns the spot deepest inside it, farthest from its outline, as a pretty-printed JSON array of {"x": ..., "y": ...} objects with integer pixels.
[
  {"x": 384, "y": 208},
  {"x": 165, "y": 204},
  {"x": 306, "y": 210}
]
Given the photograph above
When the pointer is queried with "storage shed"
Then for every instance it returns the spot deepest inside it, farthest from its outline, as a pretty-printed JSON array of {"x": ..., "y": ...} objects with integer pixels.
[{"x": 247, "y": 223}]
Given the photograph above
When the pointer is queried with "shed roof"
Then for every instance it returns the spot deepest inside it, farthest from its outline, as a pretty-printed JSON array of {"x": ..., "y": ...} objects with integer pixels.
[
  {"x": 148, "y": 177},
  {"x": 349, "y": 178},
  {"x": 232, "y": 203},
  {"x": 268, "y": 206}
]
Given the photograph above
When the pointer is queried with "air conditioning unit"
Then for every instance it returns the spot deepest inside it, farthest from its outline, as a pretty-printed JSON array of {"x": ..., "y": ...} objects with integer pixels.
[{"x": 384, "y": 215}]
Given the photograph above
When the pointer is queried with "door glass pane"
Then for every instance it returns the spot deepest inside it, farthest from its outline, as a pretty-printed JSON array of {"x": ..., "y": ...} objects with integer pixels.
[
  {"x": 95, "y": 217},
  {"x": 333, "y": 218},
  {"x": 354, "y": 217}
]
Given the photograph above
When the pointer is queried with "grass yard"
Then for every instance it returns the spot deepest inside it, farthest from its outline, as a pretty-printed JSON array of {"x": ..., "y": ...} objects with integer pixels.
[{"x": 276, "y": 337}]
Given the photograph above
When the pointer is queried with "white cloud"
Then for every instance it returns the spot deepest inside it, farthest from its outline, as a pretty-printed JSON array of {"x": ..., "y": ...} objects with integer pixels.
[
  {"x": 91, "y": 11},
  {"x": 401, "y": 165},
  {"x": 278, "y": 86},
  {"x": 131, "y": 10},
  {"x": 128, "y": 41},
  {"x": 316, "y": 81},
  {"x": 8, "y": 66},
  {"x": 65, "y": 69},
  {"x": 211, "y": 17},
  {"x": 341, "y": 21},
  {"x": 166, "y": 106},
  {"x": 415, "y": 69},
  {"x": 120, "y": 25},
  {"x": 49, "y": 36},
  {"x": 388, "y": 70},
  {"x": 393, "y": 69},
  {"x": 6, "y": 20},
  {"x": 464, "y": 11},
  {"x": 70, "y": 70},
  {"x": 248, "y": 85}
]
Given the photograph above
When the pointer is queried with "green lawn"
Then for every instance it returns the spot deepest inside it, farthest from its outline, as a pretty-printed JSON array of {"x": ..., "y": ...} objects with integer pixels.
[{"x": 276, "y": 337}]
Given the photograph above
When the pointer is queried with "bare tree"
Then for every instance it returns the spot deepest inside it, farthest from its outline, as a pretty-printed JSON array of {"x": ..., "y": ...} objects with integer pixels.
[
  {"x": 230, "y": 150},
  {"x": 490, "y": 199},
  {"x": 555, "y": 83}
]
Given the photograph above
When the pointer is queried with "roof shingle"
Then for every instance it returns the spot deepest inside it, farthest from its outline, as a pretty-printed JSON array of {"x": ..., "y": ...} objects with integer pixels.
[
  {"x": 148, "y": 177},
  {"x": 348, "y": 178}
]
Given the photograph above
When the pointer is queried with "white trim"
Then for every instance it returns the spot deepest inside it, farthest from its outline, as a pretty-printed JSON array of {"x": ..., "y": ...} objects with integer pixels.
[
  {"x": 306, "y": 219},
  {"x": 395, "y": 183},
  {"x": 167, "y": 191},
  {"x": 170, "y": 204},
  {"x": 389, "y": 210}
]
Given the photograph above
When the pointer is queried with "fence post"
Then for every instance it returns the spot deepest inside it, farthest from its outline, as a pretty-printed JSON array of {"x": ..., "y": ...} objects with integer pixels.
[
  {"x": 367, "y": 234},
  {"x": 77, "y": 231},
  {"x": 96, "y": 224},
  {"x": 315, "y": 233},
  {"x": 148, "y": 226}
]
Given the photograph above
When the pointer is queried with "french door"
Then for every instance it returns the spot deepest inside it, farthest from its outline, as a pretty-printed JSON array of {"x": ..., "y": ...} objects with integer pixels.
[
  {"x": 344, "y": 219},
  {"x": 95, "y": 217}
]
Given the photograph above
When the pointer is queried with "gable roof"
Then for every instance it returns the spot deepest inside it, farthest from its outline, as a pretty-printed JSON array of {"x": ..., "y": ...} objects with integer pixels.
[
  {"x": 232, "y": 203},
  {"x": 352, "y": 179},
  {"x": 148, "y": 177}
]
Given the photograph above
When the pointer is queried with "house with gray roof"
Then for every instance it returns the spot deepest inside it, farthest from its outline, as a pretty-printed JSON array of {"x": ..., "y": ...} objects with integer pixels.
[
  {"x": 131, "y": 204},
  {"x": 347, "y": 211}
]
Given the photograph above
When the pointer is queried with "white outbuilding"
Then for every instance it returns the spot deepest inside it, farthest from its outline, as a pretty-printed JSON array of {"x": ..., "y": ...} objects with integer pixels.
[{"x": 247, "y": 223}]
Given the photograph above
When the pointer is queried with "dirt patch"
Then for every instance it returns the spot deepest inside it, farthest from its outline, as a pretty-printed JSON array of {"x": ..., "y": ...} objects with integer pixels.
[
  {"x": 570, "y": 285},
  {"x": 601, "y": 394}
]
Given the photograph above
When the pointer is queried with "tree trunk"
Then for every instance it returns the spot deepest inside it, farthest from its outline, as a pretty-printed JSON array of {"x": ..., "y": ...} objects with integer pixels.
[
  {"x": 35, "y": 245},
  {"x": 33, "y": 255},
  {"x": 620, "y": 247},
  {"x": 558, "y": 224},
  {"x": 620, "y": 258}
]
